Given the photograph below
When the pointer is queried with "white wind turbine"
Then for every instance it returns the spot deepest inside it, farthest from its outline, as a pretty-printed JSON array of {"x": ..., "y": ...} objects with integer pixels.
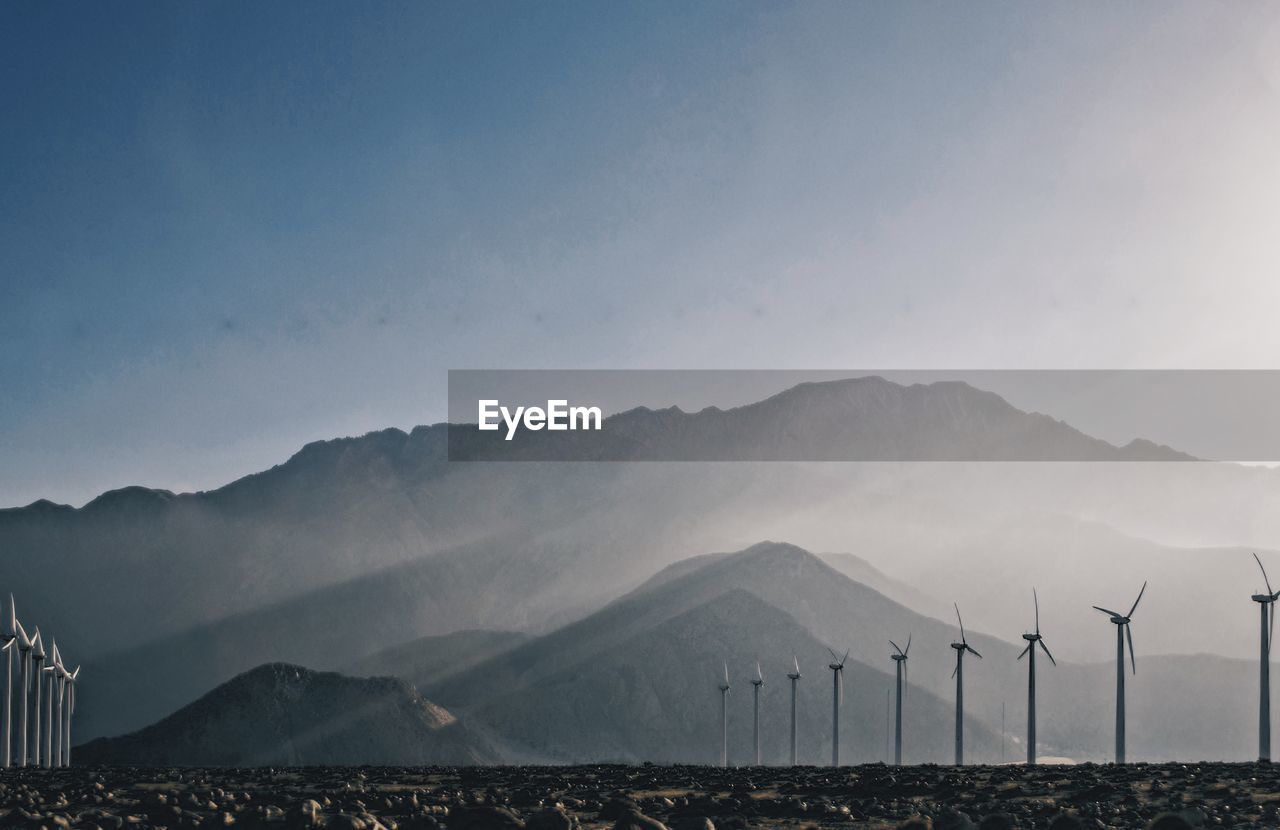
[
  {"x": 71, "y": 709},
  {"x": 51, "y": 692},
  {"x": 53, "y": 724},
  {"x": 793, "y": 677},
  {"x": 9, "y": 633},
  {"x": 37, "y": 678},
  {"x": 24, "y": 677},
  {"x": 757, "y": 682},
  {"x": 837, "y": 693}
]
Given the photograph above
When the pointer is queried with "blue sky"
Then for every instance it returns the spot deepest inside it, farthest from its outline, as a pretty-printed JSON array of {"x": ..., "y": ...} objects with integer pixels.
[{"x": 231, "y": 228}]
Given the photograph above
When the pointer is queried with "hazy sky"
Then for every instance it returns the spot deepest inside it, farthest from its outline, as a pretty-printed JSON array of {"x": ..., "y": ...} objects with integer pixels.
[{"x": 227, "y": 229}]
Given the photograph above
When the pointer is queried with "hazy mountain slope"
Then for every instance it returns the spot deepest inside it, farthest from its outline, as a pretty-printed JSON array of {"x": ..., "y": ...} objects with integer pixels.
[
  {"x": 862, "y": 571},
  {"x": 833, "y": 609},
  {"x": 654, "y": 697},
  {"x": 429, "y": 660},
  {"x": 282, "y": 714}
]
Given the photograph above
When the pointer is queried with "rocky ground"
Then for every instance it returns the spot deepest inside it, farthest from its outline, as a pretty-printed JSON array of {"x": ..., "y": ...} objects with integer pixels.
[{"x": 645, "y": 798}]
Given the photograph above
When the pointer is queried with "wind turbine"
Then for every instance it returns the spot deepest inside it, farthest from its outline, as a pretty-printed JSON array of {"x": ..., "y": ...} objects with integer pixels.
[
  {"x": 1266, "y": 604},
  {"x": 37, "y": 675},
  {"x": 24, "y": 677},
  {"x": 71, "y": 708},
  {"x": 793, "y": 676},
  {"x": 837, "y": 692},
  {"x": 1121, "y": 622},
  {"x": 52, "y": 671},
  {"x": 961, "y": 647},
  {"x": 56, "y": 689},
  {"x": 724, "y": 719},
  {"x": 1030, "y": 650},
  {"x": 900, "y": 665},
  {"x": 9, "y": 634},
  {"x": 756, "y": 683}
]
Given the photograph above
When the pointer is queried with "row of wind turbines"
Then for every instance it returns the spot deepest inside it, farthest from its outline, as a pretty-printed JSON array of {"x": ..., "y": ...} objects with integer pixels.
[
  {"x": 46, "y": 697},
  {"x": 1124, "y": 635}
]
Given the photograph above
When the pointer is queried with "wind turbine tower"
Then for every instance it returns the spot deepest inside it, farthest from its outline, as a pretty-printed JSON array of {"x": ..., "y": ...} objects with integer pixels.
[
  {"x": 900, "y": 664},
  {"x": 794, "y": 676},
  {"x": 961, "y": 647},
  {"x": 837, "y": 693},
  {"x": 724, "y": 719},
  {"x": 1121, "y": 622},
  {"x": 756, "y": 683},
  {"x": 37, "y": 677},
  {"x": 1266, "y": 604},
  {"x": 1030, "y": 652}
]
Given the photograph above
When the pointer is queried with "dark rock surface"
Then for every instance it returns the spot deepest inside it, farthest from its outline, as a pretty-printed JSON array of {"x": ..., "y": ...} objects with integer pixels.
[{"x": 643, "y": 797}]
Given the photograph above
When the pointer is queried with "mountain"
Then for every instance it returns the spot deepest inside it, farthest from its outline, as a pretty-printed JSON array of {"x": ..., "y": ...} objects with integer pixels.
[
  {"x": 636, "y": 680},
  {"x": 288, "y": 715},
  {"x": 429, "y": 660}
]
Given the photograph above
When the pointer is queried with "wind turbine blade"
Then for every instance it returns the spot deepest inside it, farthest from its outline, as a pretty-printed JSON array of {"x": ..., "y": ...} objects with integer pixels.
[
  {"x": 1132, "y": 660},
  {"x": 1046, "y": 651},
  {"x": 957, "y": 668},
  {"x": 970, "y": 648},
  {"x": 796, "y": 660},
  {"x": 843, "y": 659},
  {"x": 1107, "y": 611},
  {"x": 1036, "y": 597},
  {"x": 895, "y": 646},
  {"x": 24, "y": 642},
  {"x": 904, "y": 654},
  {"x": 1024, "y": 651},
  {"x": 1138, "y": 600},
  {"x": 834, "y": 657},
  {"x": 1264, "y": 573},
  {"x": 959, "y": 620},
  {"x": 1271, "y": 612},
  {"x": 759, "y": 674},
  {"x": 726, "y": 673}
]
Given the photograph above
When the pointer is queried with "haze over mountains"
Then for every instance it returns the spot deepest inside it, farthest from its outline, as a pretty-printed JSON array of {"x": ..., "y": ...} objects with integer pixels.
[{"x": 361, "y": 545}]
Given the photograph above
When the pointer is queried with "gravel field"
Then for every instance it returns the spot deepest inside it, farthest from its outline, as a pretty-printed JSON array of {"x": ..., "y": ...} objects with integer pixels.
[{"x": 645, "y": 797}]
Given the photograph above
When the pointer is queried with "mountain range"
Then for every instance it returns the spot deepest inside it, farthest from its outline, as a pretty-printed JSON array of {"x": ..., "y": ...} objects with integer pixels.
[{"x": 357, "y": 547}]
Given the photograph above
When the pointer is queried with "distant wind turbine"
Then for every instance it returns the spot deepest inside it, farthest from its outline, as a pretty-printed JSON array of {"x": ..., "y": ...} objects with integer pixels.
[
  {"x": 837, "y": 692},
  {"x": 756, "y": 683},
  {"x": 1266, "y": 604},
  {"x": 724, "y": 719},
  {"x": 1121, "y": 622},
  {"x": 961, "y": 647},
  {"x": 793, "y": 676},
  {"x": 900, "y": 664},
  {"x": 1030, "y": 651},
  {"x": 37, "y": 679}
]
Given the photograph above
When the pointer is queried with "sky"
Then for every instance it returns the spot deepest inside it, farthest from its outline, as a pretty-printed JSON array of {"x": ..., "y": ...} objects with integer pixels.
[{"x": 229, "y": 228}]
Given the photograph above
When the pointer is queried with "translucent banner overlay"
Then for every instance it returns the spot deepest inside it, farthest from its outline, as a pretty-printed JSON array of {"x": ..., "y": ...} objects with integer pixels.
[{"x": 864, "y": 415}]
